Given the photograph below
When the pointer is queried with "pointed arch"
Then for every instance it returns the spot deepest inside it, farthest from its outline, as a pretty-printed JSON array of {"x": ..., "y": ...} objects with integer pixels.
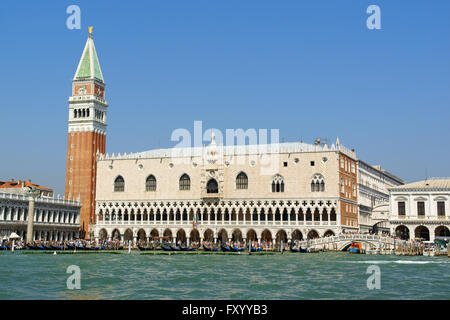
[
  {"x": 242, "y": 181},
  {"x": 185, "y": 182},
  {"x": 150, "y": 183},
  {"x": 119, "y": 184}
]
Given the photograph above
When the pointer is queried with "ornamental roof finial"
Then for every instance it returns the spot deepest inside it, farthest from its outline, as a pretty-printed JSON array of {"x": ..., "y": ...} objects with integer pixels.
[{"x": 90, "y": 31}]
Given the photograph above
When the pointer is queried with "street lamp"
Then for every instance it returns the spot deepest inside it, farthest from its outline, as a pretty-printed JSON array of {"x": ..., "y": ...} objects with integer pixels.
[{"x": 13, "y": 236}]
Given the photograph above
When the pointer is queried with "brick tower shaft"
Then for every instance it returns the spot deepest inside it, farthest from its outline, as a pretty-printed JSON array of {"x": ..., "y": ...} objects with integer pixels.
[{"x": 87, "y": 134}]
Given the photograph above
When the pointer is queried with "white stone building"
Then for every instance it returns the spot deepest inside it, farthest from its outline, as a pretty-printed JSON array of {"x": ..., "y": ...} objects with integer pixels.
[
  {"x": 264, "y": 192},
  {"x": 54, "y": 219},
  {"x": 421, "y": 209},
  {"x": 373, "y": 197}
]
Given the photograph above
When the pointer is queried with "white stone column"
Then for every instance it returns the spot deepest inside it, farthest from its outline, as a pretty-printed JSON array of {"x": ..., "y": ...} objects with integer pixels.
[{"x": 30, "y": 230}]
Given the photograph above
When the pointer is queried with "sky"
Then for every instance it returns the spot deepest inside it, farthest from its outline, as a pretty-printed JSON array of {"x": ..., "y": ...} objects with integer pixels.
[{"x": 308, "y": 68}]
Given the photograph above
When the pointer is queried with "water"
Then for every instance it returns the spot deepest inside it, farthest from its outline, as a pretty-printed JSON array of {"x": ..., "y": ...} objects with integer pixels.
[{"x": 288, "y": 276}]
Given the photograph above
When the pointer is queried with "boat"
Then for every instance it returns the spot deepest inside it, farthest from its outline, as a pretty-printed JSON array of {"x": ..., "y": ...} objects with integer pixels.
[
  {"x": 298, "y": 249},
  {"x": 3, "y": 248},
  {"x": 237, "y": 249},
  {"x": 188, "y": 249},
  {"x": 355, "y": 247},
  {"x": 36, "y": 247},
  {"x": 175, "y": 248},
  {"x": 206, "y": 248},
  {"x": 258, "y": 249},
  {"x": 70, "y": 246},
  {"x": 143, "y": 248},
  {"x": 225, "y": 247},
  {"x": 373, "y": 251},
  {"x": 166, "y": 247},
  {"x": 52, "y": 247}
]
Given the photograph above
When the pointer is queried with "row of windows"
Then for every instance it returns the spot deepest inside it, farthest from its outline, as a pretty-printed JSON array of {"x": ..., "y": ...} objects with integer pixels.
[
  {"x": 81, "y": 113},
  {"x": 84, "y": 113},
  {"x": 317, "y": 183},
  {"x": 345, "y": 164},
  {"x": 421, "y": 208}
]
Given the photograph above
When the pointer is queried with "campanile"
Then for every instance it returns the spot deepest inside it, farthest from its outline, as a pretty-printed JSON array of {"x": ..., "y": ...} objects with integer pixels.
[{"x": 87, "y": 133}]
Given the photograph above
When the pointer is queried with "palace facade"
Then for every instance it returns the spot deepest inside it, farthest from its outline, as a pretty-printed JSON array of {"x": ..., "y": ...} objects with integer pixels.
[
  {"x": 421, "y": 210},
  {"x": 54, "y": 218},
  {"x": 267, "y": 192},
  {"x": 373, "y": 197}
]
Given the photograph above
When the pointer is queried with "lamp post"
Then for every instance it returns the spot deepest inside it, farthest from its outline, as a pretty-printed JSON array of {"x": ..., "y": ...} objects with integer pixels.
[
  {"x": 13, "y": 236},
  {"x": 33, "y": 193}
]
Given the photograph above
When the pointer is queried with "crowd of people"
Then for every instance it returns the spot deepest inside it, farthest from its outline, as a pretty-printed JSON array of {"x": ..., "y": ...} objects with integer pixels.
[{"x": 116, "y": 244}]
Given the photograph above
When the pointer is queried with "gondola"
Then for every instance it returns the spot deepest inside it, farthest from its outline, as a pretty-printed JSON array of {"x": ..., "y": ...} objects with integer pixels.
[
  {"x": 166, "y": 248},
  {"x": 225, "y": 247},
  {"x": 48, "y": 247},
  {"x": 80, "y": 247},
  {"x": 255, "y": 249},
  {"x": 143, "y": 248},
  {"x": 237, "y": 249},
  {"x": 188, "y": 249},
  {"x": 56, "y": 247},
  {"x": 3, "y": 248},
  {"x": 70, "y": 246},
  {"x": 175, "y": 248},
  {"x": 206, "y": 248}
]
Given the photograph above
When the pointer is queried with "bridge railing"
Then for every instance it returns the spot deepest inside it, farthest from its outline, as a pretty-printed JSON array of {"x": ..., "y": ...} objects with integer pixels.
[{"x": 346, "y": 237}]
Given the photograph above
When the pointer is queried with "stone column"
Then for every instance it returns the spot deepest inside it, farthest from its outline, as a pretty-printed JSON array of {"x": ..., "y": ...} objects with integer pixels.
[{"x": 30, "y": 220}]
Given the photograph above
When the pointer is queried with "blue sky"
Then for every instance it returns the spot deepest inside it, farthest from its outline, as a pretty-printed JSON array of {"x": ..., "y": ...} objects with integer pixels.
[{"x": 309, "y": 68}]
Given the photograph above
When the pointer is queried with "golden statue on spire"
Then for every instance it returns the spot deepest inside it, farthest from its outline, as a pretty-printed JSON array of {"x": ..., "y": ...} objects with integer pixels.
[{"x": 90, "y": 30}]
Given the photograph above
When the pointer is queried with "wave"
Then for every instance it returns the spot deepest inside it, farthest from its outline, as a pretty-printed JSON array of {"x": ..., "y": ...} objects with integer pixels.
[{"x": 397, "y": 261}]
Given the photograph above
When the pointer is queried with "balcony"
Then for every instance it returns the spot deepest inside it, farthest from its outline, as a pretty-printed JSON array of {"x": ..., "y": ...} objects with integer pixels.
[{"x": 211, "y": 196}]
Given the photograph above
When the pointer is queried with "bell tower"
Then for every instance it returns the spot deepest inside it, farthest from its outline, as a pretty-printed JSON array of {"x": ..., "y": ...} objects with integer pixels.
[{"x": 87, "y": 133}]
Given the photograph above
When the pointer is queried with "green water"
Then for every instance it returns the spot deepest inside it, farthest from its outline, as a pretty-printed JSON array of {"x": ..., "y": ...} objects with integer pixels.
[{"x": 287, "y": 276}]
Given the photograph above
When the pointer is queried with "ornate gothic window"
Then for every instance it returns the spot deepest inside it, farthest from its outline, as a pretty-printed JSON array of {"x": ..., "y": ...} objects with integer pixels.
[
  {"x": 277, "y": 183},
  {"x": 119, "y": 184},
  {"x": 212, "y": 186},
  {"x": 150, "y": 183},
  {"x": 317, "y": 183},
  {"x": 185, "y": 182},
  {"x": 242, "y": 181}
]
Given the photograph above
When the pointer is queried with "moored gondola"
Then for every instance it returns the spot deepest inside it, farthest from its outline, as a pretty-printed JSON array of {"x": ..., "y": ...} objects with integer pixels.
[
  {"x": 166, "y": 247},
  {"x": 237, "y": 249},
  {"x": 188, "y": 249},
  {"x": 206, "y": 248},
  {"x": 255, "y": 249},
  {"x": 225, "y": 247},
  {"x": 143, "y": 248}
]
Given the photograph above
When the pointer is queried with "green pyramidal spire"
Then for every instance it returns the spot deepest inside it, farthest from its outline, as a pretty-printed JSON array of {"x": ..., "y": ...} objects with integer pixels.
[{"x": 89, "y": 67}]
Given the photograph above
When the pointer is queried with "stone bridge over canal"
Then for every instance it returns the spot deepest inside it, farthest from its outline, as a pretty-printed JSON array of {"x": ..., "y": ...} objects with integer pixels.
[{"x": 343, "y": 242}]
